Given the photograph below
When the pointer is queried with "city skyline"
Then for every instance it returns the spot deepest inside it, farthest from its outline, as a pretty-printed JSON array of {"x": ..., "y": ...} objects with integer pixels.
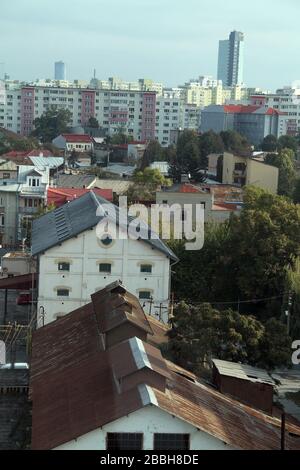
[{"x": 176, "y": 42}]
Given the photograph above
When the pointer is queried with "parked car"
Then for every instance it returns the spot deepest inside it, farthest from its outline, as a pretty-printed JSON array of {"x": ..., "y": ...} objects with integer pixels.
[{"x": 24, "y": 298}]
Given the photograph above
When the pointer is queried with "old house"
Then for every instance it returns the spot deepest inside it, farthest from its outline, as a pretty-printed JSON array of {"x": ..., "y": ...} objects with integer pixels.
[{"x": 99, "y": 382}]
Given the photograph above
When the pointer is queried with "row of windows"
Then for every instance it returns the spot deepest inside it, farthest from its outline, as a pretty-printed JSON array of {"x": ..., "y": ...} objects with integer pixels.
[
  {"x": 134, "y": 441},
  {"x": 105, "y": 267},
  {"x": 65, "y": 292}
]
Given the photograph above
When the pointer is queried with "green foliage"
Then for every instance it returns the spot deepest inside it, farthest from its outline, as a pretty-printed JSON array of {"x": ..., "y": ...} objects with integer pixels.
[
  {"x": 93, "y": 122},
  {"x": 246, "y": 259},
  {"x": 52, "y": 123},
  {"x": 153, "y": 153},
  {"x": 288, "y": 142},
  {"x": 296, "y": 195},
  {"x": 235, "y": 142},
  {"x": 120, "y": 138},
  {"x": 285, "y": 162},
  {"x": 209, "y": 142},
  {"x": 145, "y": 185},
  {"x": 201, "y": 333},
  {"x": 269, "y": 144}
]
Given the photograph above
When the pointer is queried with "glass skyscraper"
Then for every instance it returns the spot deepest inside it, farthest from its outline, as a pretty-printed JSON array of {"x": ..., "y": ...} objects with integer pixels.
[{"x": 231, "y": 59}]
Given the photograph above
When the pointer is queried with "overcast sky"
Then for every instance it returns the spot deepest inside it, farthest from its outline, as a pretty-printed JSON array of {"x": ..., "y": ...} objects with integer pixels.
[{"x": 170, "y": 41}]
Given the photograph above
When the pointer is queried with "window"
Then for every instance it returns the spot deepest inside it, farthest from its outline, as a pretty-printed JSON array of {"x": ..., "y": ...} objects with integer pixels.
[
  {"x": 106, "y": 240},
  {"x": 62, "y": 292},
  {"x": 171, "y": 442},
  {"x": 6, "y": 176},
  {"x": 146, "y": 268},
  {"x": 105, "y": 268},
  {"x": 64, "y": 266},
  {"x": 124, "y": 441},
  {"x": 145, "y": 295}
]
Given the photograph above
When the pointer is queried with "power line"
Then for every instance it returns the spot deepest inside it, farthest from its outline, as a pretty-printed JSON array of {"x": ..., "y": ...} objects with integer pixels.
[{"x": 237, "y": 302}]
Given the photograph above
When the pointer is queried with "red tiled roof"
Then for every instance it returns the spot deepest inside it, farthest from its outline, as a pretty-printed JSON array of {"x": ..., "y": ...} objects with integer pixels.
[
  {"x": 77, "y": 138},
  {"x": 74, "y": 392},
  {"x": 240, "y": 109},
  {"x": 60, "y": 196},
  {"x": 189, "y": 188}
]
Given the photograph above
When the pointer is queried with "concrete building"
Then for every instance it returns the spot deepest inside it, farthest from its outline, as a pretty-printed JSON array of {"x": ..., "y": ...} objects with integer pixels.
[
  {"x": 181, "y": 194},
  {"x": 9, "y": 214},
  {"x": 100, "y": 382},
  {"x": 69, "y": 142},
  {"x": 231, "y": 60},
  {"x": 287, "y": 101},
  {"x": 75, "y": 261},
  {"x": 245, "y": 171},
  {"x": 254, "y": 122},
  {"x": 60, "y": 71}
]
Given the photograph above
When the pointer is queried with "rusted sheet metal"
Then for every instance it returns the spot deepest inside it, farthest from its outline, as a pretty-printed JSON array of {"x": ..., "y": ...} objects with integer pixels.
[
  {"x": 239, "y": 426},
  {"x": 75, "y": 390}
]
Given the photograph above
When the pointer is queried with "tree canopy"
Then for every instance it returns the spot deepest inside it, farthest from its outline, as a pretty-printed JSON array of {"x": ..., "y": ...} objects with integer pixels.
[
  {"x": 201, "y": 333},
  {"x": 51, "y": 124},
  {"x": 285, "y": 162}
]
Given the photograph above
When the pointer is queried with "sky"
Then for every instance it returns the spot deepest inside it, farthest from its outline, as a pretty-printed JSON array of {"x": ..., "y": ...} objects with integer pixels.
[{"x": 170, "y": 41}]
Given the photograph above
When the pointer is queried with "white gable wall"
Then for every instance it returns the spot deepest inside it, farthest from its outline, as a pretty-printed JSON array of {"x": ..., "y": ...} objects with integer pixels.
[
  {"x": 148, "y": 420},
  {"x": 84, "y": 254}
]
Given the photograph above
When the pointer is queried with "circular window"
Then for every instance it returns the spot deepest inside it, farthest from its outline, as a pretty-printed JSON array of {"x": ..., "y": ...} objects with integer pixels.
[{"x": 106, "y": 240}]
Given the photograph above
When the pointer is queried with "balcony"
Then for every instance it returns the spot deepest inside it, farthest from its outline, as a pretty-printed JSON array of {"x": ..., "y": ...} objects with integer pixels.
[
  {"x": 40, "y": 190},
  {"x": 28, "y": 210}
]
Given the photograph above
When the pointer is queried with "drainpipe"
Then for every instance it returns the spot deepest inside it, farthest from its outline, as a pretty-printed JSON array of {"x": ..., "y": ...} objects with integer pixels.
[{"x": 170, "y": 275}]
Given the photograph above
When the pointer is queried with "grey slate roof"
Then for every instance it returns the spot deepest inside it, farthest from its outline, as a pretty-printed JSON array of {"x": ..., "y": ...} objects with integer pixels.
[
  {"x": 79, "y": 215},
  {"x": 75, "y": 181}
]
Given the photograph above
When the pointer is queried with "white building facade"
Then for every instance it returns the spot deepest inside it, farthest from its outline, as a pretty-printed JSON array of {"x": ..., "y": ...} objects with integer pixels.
[
  {"x": 150, "y": 422},
  {"x": 74, "y": 262}
]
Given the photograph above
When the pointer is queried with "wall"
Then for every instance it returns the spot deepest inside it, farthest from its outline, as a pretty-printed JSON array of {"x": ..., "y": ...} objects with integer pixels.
[
  {"x": 8, "y": 200},
  {"x": 148, "y": 420},
  {"x": 85, "y": 253},
  {"x": 262, "y": 175}
]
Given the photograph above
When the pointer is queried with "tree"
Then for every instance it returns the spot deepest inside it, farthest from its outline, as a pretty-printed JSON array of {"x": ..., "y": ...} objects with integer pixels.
[
  {"x": 153, "y": 153},
  {"x": 149, "y": 176},
  {"x": 51, "y": 124},
  {"x": 296, "y": 195},
  {"x": 209, "y": 142},
  {"x": 288, "y": 142},
  {"x": 285, "y": 162},
  {"x": 269, "y": 144},
  {"x": 246, "y": 259},
  {"x": 93, "y": 122},
  {"x": 235, "y": 142},
  {"x": 145, "y": 184},
  {"x": 275, "y": 347},
  {"x": 120, "y": 138},
  {"x": 201, "y": 333},
  {"x": 264, "y": 241}
]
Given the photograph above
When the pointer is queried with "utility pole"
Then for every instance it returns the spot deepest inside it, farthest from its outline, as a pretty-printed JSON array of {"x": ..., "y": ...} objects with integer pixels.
[{"x": 288, "y": 313}]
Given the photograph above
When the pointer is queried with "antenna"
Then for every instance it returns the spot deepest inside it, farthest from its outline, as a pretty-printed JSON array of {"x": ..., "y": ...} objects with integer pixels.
[{"x": 94, "y": 73}]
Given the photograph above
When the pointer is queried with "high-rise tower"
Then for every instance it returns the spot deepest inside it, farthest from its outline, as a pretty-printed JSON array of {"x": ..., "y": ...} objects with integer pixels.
[{"x": 231, "y": 59}]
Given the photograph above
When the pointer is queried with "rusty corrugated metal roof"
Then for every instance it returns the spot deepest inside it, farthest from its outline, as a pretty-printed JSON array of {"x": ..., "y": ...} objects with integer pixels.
[
  {"x": 239, "y": 426},
  {"x": 74, "y": 388}
]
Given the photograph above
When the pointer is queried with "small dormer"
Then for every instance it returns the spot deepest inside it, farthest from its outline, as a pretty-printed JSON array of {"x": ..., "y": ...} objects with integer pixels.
[
  {"x": 34, "y": 179},
  {"x": 134, "y": 363},
  {"x": 119, "y": 315}
]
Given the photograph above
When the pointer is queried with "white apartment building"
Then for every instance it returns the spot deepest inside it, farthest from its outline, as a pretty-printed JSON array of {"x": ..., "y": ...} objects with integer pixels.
[
  {"x": 74, "y": 262},
  {"x": 286, "y": 100}
]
